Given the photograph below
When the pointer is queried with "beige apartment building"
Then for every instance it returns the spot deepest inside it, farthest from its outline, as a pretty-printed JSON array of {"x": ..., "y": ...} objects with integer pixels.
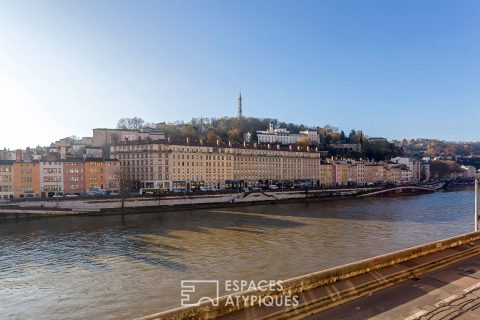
[
  {"x": 326, "y": 174},
  {"x": 393, "y": 174},
  {"x": 341, "y": 173},
  {"x": 374, "y": 173},
  {"x": 168, "y": 165},
  {"x": 6, "y": 179}
]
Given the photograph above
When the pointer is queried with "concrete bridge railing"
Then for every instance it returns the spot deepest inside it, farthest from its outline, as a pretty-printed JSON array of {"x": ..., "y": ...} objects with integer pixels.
[
  {"x": 310, "y": 281},
  {"x": 400, "y": 188}
]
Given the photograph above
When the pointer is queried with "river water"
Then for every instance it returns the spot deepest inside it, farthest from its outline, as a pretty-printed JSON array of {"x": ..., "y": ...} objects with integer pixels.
[{"x": 125, "y": 267}]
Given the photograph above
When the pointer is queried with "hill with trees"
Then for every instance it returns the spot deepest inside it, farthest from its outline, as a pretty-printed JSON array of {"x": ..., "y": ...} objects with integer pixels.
[{"x": 234, "y": 129}]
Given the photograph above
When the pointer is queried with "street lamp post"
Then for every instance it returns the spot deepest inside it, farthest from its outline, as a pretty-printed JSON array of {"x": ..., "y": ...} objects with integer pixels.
[
  {"x": 57, "y": 193},
  {"x": 476, "y": 204}
]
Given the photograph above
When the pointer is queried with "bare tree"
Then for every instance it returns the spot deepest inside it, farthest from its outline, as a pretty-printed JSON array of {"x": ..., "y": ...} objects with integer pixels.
[
  {"x": 125, "y": 187},
  {"x": 122, "y": 123},
  {"x": 134, "y": 123}
]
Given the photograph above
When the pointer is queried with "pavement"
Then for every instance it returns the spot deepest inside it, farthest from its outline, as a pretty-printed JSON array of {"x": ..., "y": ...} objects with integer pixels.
[{"x": 451, "y": 293}]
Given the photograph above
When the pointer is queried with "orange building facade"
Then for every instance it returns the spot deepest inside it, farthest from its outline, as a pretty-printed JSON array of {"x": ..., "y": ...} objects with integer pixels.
[
  {"x": 26, "y": 179},
  {"x": 94, "y": 174}
]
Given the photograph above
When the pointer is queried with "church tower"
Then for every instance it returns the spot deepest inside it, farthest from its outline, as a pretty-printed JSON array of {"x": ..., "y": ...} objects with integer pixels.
[{"x": 239, "y": 112}]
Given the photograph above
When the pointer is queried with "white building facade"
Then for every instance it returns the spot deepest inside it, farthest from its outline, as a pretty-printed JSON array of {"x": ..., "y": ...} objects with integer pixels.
[
  {"x": 284, "y": 137},
  {"x": 51, "y": 178}
]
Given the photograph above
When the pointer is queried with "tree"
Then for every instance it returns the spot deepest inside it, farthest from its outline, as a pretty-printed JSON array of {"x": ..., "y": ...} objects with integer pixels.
[
  {"x": 353, "y": 137},
  {"x": 122, "y": 123},
  {"x": 212, "y": 136},
  {"x": 125, "y": 187},
  {"x": 234, "y": 135},
  {"x": 342, "y": 137},
  {"x": 134, "y": 123},
  {"x": 303, "y": 142}
]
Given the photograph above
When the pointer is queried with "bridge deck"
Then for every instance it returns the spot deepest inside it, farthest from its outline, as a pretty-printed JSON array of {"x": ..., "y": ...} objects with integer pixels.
[{"x": 399, "y": 188}]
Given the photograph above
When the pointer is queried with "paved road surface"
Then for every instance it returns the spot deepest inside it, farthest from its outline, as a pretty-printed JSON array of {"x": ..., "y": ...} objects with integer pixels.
[{"x": 452, "y": 293}]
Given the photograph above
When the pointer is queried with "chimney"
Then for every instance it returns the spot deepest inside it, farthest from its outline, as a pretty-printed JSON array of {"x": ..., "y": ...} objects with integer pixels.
[
  {"x": 278, "y": 147},
  {"x": 269, "y": 146},
  {"x": 169, "y": 139},
  {"x": 18, "y": 156},
  {"x": 308, "y": 148},
  {"x": 188, "y": 140},
  {"x": 299, "y": 148},
  {"x": 290, "y": 147},
  {"x": 201, "y": 142},
  {"x": 244, "y": 144},
  {"x": 230, "y": 144},
  {"x": 255, "y": 145},
  {"x": 316, "y": 149},
  {"x": 218, "y": 142}
]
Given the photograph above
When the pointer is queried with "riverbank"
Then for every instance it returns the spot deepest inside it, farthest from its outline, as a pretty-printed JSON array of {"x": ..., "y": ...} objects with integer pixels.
[{"x": 96, "y": 207}]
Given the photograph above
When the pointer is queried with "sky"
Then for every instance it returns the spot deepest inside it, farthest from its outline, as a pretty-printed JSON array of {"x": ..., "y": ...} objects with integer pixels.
[{"x": 395, "y": 69}]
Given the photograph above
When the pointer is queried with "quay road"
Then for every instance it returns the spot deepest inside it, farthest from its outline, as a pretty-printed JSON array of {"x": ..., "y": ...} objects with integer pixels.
[{"x": 451, "y": 293}]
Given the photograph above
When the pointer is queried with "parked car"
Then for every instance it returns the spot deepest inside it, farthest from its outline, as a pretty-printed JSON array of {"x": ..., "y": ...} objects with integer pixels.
[
  {"x": 273, "y": 187},
  {"x": 96, "y": 192},
  {"x": 71, "y": 195},
  {"x": 255, "y": 188}
]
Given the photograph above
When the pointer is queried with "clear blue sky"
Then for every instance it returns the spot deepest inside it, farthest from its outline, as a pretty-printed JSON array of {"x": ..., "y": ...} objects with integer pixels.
[{"x": 392, "y": 68}]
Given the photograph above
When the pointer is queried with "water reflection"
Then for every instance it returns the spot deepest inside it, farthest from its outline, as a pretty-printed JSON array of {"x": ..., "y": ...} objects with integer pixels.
[{"x": 127, "y": 266}]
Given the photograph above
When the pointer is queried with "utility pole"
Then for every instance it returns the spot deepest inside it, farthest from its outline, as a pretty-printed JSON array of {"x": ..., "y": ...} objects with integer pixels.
[{"x": 476, "y": 204}]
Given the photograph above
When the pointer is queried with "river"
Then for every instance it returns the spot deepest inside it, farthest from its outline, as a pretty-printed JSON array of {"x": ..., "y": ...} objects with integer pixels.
[{"x": 118, "y": 267}]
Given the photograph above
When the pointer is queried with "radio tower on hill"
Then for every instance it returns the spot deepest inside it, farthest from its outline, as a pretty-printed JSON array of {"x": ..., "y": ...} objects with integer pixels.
[{"x": 239, "y": 112}]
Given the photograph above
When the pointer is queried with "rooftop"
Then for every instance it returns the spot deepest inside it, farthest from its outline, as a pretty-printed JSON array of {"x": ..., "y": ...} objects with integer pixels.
[{"x": 221, "y": 144}]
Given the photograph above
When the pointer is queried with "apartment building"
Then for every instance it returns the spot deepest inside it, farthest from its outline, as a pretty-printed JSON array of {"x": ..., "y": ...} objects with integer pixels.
[
  {"x": 360, "y": 173},
  {"x": 263, "y": 165},
  {"x": 74, "y": 176},
  {"x": 111, "y": 174},
  {"x": 51, "y": 178},
  {"x": 326, "y": 174},
  {"x": 6, "y": 179},
  {"x": 374, "y": 173},
  {"x": 26, "y": 177},
  {"x": 413, "y": 166},
  {"x": 94, "y": 177},
  {"x": 392, "y": 174},
  {"x": 341, "y": 173},
  {"x": 193, "y": 164}
]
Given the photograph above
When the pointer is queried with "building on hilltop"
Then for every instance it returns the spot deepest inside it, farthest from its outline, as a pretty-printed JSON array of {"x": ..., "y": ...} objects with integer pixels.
[
  {"x": 104, "y": 138},
  {"x": 285, "y": 137}
]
